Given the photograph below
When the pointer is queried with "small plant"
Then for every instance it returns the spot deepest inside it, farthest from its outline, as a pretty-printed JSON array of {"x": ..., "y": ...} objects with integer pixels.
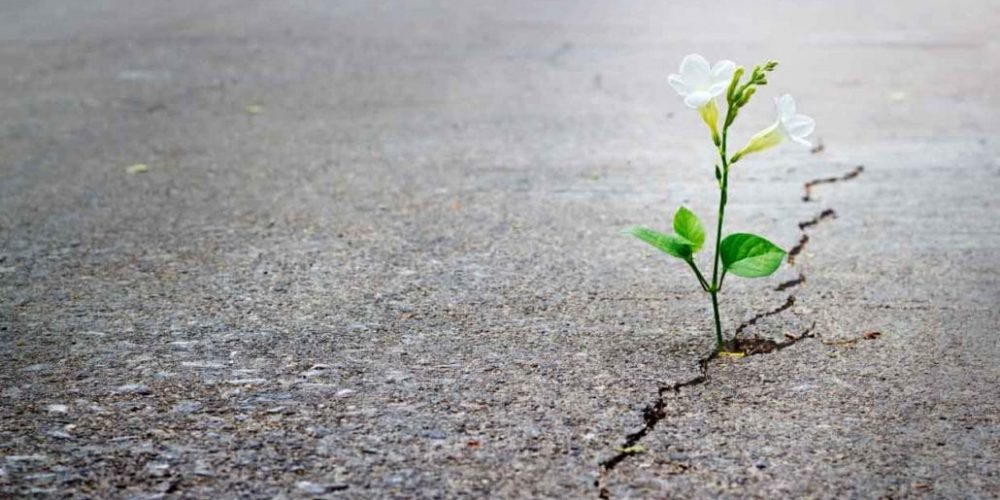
[{"x": 742, "y": 254}]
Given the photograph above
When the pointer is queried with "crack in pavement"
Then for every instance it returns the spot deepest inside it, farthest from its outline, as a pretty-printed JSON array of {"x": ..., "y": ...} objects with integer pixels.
[
  {"x": 829, "y": 180},
  {"x": 872, "y": 335},
  {"x": 654, "y": 413},
  {"x": 651, "y": 416},
  {"x": 789, "y": 302},
  {"x": 804, "y": 239},
  {"x": 792, "y": 283}
]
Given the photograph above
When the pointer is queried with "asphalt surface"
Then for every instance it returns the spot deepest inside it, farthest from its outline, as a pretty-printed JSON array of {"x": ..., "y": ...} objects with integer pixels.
[{"x": 374, "y": 250}]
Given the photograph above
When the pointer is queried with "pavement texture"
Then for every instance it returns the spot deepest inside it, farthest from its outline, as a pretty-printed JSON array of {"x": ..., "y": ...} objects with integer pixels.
[{"x": 374, "y": 250}]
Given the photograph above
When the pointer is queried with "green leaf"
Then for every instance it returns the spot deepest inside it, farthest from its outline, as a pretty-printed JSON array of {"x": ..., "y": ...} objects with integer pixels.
[
  {"x": 670, "y": 244},
  {"x": 138, "y": 168},
  {"x": 750, "y": 256},
  {"x": 688, "y": 226}
]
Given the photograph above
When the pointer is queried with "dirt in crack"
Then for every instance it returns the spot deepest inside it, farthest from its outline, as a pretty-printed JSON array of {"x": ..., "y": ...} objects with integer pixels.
[
  {"x": 804, "y": 239},
  {"x": 756, "y": 345},
  {"x": 656, "y": 412},
  {"x": 789, "y": 302},
  {"x": 830, "y": 180},
  {"x": 792, "y": 283},
  {"x": 651, "y": 416}
]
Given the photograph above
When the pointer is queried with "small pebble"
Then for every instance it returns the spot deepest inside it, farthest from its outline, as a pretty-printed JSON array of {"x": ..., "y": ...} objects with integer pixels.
[
  {"x": 57, "y": 408},
  {"x": 58, "y": 434},
  {"x": 315, "y": 371},
  {"x": 202, "y": 364},
  {"x": 247, "y": 381},
  {"x": 157, "y": 469},
  {"x": 27, "y": 458},
  {"x": 140, "y": 389},
  {"x": 187, "y": 407},
  {"x": 435, "y": 434},
  {"x": 41, "y": 477},
  {"x": 201, "y": 468},
  {"x": 39, "y": 367},
  {"x": 318, "y": 489}
]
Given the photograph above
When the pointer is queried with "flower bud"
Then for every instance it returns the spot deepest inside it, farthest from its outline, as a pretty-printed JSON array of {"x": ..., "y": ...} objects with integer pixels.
[
  {"x": 732, "y": 84},
  {"x": 710, "y": 115},
  {"x": 767, "y": 138},
  {"x": 746, "y": 95}
]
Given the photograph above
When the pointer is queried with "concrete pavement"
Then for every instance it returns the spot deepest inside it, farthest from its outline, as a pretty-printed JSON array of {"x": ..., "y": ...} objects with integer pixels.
[{"x": 375, "y": 252}]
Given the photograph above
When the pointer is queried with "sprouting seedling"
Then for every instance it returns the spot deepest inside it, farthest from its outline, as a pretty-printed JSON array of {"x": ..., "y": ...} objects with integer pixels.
[{"x": 742, "y": 254}]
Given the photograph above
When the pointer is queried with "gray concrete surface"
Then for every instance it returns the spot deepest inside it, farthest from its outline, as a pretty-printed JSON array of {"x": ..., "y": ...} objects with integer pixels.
[{"x": 376, "y": 252}]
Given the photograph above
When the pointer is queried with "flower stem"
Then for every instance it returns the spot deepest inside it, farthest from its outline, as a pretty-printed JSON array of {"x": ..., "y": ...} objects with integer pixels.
[
  {"x": 718, "y": 324},
  {"x": 716, "y": 284},
  {"x": 697, "y": 273}
]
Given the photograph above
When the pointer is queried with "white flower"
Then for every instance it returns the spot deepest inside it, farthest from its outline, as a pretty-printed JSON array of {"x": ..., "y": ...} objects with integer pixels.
[
  {"x": 793, "y": 126},
  {"x": 698, "y": 82},
  {"x": 788, "y": 126}
]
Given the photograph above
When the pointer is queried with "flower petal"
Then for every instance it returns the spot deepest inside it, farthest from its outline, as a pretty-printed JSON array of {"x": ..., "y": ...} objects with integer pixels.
[
  {"x": 723, "y": 72},
  {"x": 718, "y": 88},
  {"x": 677, "y": 83},
  {"x": 696, "y": 72},
  {"x": 786, "y": 106},
  {"x": 697, "y": 99},
  {"x": 799, "y": 126},
  {"x": 767, "y": 138},
  {"x": 801, "y": 141},
  {"x": 710, "y": 115}
]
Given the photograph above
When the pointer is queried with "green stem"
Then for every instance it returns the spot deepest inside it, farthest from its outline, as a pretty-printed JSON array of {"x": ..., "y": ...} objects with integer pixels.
[
  {"x": 701, "y": 278},
  {"x": 718, "y": 324},
  {"x": 716, "y": 285}
]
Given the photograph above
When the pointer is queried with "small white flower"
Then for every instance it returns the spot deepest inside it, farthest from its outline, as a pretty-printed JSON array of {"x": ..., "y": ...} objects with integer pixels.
[
  {"x": 698, "y": 82},
  {"x": 788, "y": 126},
  {"x": 793, "y": 126}
]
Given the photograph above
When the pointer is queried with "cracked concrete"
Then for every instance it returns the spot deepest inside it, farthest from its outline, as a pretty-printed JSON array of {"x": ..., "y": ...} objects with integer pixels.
[
  {"x": 828, "y": 180},
  {"x": 657, "y": 411},
  {"x": 376, "y": 252}
]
